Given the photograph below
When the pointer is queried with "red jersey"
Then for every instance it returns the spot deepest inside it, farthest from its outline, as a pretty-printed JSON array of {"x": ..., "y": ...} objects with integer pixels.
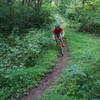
[{"x": 57, "y": 30}]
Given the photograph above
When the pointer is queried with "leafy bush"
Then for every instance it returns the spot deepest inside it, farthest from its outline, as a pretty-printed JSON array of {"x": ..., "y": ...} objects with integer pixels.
[
  {"x": 23, "y": 17},
  {"x": 16, "y": 50},
  {"x": 79, "y": 84},
  {"x": 3, "y": 79},
  {"x": 89, "y": 17},
  {"x": 15, "y": 82},
  {"x": 92, "y": 27},
  {"x": 86, "y": 13}
]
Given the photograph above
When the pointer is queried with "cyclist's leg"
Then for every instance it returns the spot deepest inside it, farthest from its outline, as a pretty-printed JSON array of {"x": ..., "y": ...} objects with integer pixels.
[
  {"x": 62, "y": 42},
  {"x": 60, "y": 47},
  {"x": 58, "y": 43},
  {"x": 61, "y": 38},
  {"x": 57, "y": 40}
]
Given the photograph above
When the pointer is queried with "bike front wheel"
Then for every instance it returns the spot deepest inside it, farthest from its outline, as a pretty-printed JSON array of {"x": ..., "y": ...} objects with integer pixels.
[{"x": 61, "y": 51}]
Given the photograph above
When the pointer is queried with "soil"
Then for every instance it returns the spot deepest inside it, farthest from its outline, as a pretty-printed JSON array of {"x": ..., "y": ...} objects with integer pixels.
[{"x": 49, "y": 79}]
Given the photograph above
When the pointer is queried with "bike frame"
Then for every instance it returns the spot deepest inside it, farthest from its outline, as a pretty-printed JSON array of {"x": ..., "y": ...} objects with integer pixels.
[{"x": 58, "y": 42}]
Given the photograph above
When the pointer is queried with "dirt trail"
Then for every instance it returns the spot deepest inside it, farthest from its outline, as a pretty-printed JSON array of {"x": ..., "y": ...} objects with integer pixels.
[{"x": 49, "y": 79}]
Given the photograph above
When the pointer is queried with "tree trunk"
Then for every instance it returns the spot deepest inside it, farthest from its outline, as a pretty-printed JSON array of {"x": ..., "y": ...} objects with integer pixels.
[
  {"x": 23, "y": 2},
  {"x": 38, "y": 6}
]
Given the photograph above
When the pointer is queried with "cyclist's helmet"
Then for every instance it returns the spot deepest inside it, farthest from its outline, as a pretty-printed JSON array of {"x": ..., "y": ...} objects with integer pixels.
[{"x": 57, "y": 25}]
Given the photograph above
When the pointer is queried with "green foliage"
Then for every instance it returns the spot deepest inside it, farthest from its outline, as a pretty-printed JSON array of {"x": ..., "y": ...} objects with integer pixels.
[
  {"x": 22, "y": 59},
  {"x": 23, "y": 17},
  {"x": 85, "y": 13},
  {"x": 23, "y": 63},
  {"x": 78, "y": 84},
  {"x": 3, "y": 79},
  {"x": 81, "y": 79},
  {"x": 63, "y": 5},
  {"x": 15, "y": 82},
  {"x": 16, "y": 50},
  {"x": 89, "y": 17}
]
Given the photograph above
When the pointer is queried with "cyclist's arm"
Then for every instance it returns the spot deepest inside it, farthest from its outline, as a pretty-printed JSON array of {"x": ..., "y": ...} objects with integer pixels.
[
  {"x": 61, "y": 31},
  {"x": 62, "y": 34}
]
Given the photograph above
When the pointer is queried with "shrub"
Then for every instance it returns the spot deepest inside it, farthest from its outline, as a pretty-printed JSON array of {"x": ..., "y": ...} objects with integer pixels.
[
  {"x": 16, "y": 50},
  {"x": 23, "y": 17},
  {"x": 78, "y": 84}
]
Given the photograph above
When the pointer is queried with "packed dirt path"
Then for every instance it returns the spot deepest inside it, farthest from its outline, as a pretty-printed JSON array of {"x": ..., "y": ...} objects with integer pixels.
[{"x": 49, "y": 79}]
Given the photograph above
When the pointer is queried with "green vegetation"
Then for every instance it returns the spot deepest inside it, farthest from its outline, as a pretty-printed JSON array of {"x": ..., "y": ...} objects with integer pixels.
[
  {"x": 18, "y": 49},
  {"x": 82, "y": 15},
  {"x": 16, "y": 81},
  {"x": 80, "y": 80},
  {"x": 27, "y": 51},
  {"x": 15, "y": 14},
  {"x": 24, "y": 36}
]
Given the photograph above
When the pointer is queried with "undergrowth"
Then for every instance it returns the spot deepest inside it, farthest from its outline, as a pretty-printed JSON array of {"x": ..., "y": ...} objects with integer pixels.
[
  {"x": 80, "y": 80},
  {"x": 24, "y": 61},
  {"x": 16, "y": 82}
]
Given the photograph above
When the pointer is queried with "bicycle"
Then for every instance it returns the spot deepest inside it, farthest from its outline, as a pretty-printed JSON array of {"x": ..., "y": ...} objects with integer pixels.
[{"x": 61, "y": 48}]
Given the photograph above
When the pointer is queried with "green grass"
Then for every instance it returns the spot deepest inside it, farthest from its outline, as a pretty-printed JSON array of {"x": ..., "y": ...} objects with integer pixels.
[
  {"x": 80, "y": 79},
  {"x": 22, "y": 79}
]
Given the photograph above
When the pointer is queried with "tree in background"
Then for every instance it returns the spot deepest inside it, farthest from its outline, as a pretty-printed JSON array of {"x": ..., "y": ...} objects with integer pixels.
[
  {"x": 23, "y": 14},
  {"x": 84, "y": 13}
]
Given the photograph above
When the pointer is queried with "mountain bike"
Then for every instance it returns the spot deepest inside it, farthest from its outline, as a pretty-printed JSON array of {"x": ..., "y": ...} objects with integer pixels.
[{"x": 61, "y": 48}]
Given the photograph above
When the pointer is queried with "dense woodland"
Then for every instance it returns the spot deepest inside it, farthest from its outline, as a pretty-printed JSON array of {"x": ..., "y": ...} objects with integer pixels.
[
  {"x": 24, "y": 14},
  {"x": 25, "y": 33}
]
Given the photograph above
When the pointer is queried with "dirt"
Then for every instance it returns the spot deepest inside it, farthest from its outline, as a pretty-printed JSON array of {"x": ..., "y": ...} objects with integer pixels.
[{"x": 49, "y": 79}]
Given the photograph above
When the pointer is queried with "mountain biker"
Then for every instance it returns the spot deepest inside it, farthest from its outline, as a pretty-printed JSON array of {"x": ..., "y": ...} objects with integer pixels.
[{"x": 58, "y": 34}]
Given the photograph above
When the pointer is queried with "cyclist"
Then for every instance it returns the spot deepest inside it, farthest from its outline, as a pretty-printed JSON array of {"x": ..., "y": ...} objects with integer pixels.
[{"x": 58, "y": 34}]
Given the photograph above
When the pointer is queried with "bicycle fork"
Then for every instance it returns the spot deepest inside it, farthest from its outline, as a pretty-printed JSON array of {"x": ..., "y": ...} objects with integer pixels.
[{"x": 60, "y": 48}]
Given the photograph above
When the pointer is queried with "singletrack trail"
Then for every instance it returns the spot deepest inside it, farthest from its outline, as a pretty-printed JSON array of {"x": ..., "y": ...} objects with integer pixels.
[{"x": 49, "y": 79}]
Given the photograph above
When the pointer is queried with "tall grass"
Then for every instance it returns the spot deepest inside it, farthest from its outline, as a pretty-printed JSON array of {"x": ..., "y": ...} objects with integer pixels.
[{"x": 80, "y": 79}]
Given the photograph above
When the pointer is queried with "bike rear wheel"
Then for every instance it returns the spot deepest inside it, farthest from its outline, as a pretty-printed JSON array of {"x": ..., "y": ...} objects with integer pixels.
[
  {"x": 60, "y": 48},
  {"x": 61, "y": 51}
]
